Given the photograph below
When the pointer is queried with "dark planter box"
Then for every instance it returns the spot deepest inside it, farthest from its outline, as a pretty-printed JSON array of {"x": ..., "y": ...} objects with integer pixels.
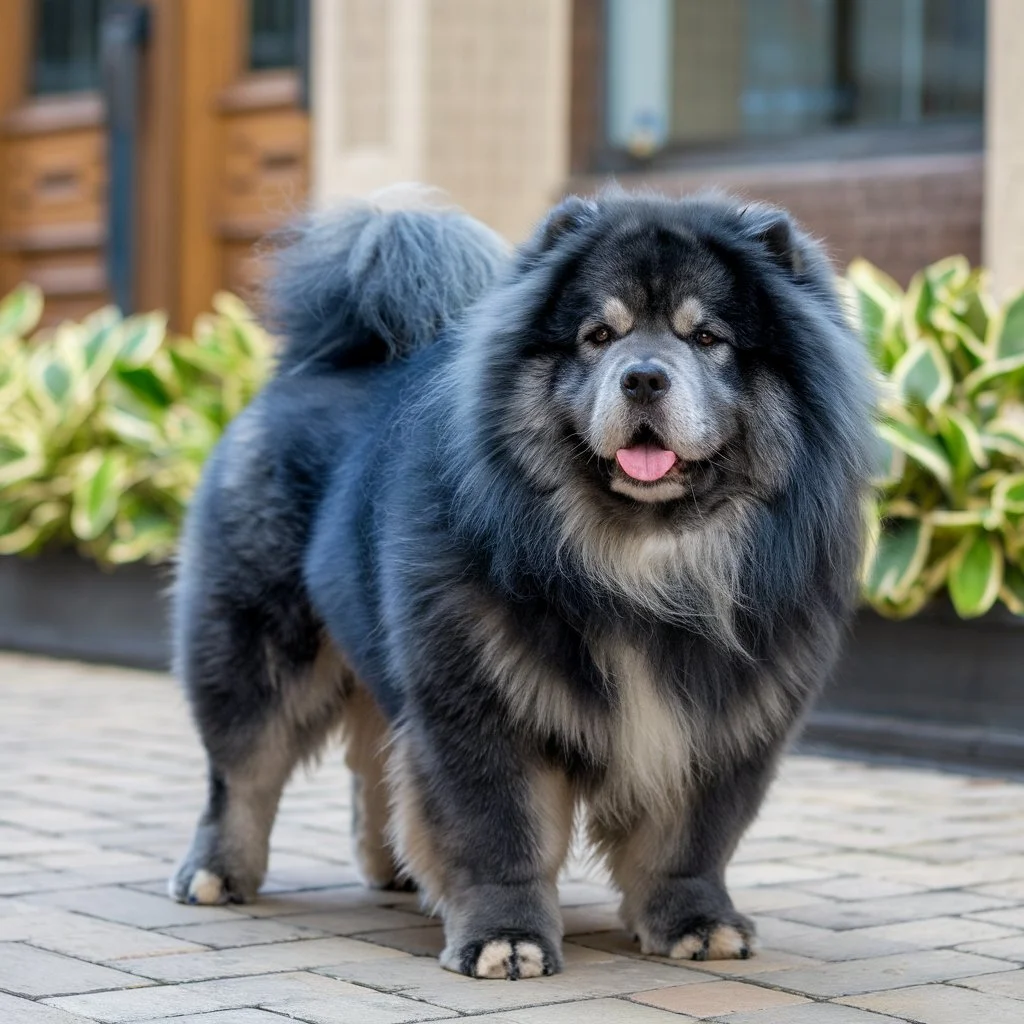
[
  {"x": 933, "y": 686},
  {"x": 63, "y": 605}
]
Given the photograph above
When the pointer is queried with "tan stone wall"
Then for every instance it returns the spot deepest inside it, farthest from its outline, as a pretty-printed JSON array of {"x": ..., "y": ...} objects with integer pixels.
[
  {"x": 468, "y": 95},
  {"x": 1004, "y": 125}
]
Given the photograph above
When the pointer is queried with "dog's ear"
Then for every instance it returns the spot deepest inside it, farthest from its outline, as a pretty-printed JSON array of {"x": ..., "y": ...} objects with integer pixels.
[
  {"x": 570, "y": 215},
  {"x": 775, "y": 231}
]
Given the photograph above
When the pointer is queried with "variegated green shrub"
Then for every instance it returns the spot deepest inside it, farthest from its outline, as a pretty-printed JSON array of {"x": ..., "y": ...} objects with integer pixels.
[
  {"x": 105, "y": 424},
  {"x": 951, "y": 439}
]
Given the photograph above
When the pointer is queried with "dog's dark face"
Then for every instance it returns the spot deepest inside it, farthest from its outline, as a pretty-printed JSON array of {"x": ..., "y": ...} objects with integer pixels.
[
  {"x": 646, "y": 372},
  {"x": 652, "y": 387}
]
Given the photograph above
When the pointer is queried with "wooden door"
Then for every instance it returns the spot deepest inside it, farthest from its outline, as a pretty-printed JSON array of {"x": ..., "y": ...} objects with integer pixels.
[
  {"x": 52, "y": 153},
  {"x": 223, "y": 148},
  {"x": 245, "y": 139}
]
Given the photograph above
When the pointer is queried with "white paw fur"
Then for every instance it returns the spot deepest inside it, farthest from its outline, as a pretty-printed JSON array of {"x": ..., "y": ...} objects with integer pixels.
[{"x": 206, "y": 888}]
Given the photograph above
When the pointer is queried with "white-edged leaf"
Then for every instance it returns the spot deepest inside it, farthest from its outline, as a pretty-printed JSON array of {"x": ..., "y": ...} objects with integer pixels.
[
  {"x": 900, "y": 554},
  {"x": 919, "y": 446},
  {"x": 991, "y": 372},
  {"x": 924, "y": 373},
  {"x": 976, "y": 575},
  {"x": 1010, "y": 341},
  {"x": 1008, "y": 494}
]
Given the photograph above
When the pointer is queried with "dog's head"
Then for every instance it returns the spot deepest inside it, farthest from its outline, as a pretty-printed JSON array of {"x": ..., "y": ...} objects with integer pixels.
[{"x": 669, "y": 353}]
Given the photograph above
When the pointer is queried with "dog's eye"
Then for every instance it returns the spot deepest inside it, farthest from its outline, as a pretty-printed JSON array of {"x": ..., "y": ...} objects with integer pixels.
[
  {"x": 707, "y": 338},
  {"x": 600, "y": 335}
]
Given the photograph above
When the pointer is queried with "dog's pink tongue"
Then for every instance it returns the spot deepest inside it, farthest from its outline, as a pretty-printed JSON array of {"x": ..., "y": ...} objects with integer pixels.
[{"x": 645, "y": 461}]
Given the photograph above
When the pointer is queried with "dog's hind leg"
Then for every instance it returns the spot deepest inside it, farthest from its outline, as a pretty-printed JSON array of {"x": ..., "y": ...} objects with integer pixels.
[
  {"x": 259, "y": 715},
  {"x": 367, "y": 735}
]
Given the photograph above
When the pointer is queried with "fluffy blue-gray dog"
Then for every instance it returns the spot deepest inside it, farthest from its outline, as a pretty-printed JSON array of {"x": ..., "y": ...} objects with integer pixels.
[{"x": 568, "y": 531}]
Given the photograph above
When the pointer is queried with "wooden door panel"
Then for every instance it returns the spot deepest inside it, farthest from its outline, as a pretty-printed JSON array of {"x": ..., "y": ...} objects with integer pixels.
[
  {"x": 266, "y": 170},
  {"x": 58, "y": 178}
]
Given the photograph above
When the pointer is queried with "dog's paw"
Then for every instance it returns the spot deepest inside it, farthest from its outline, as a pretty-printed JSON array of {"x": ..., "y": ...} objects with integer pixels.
[
  {"x": 204, "y": 887},
  {"x": 503, "y": 959},
  {"x": 705, "y": 940}
]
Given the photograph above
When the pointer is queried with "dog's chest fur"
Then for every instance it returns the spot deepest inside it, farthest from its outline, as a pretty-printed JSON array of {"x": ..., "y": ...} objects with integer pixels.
[{"x": 641, "y": 742}]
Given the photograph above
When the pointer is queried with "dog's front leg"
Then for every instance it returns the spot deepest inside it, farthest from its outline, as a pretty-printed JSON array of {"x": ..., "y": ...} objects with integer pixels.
[
  {"x": 670, "y": 863},
  {"x": 483, "y": 826}
]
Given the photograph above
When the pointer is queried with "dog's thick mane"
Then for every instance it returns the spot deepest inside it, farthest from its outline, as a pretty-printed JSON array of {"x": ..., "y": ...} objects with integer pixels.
[{"x": 729, "y": 577}]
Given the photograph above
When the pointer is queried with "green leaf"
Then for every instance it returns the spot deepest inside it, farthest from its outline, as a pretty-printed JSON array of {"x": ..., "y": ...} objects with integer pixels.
[
  {"x": 141, "y": 336},
  {"x": 992, "y": 372},
  {"x": 888, "y": 462},
  {"x": 100, "y": 484},
  {"x": 924, "y": 373},
  {"x": 920, "y": 447},
  {"x": 917, "y": 306},
  {"x": 1011, "y": 335},
  {"x": 1008, "y": 494},
  {"x": 144, "y": 384},
  {"x": 963, "y": 442},
  {"x": 956, "y": 519},
  {"x": 976, "y": 575},
  {"x": 900, "y": 555},
  {"x": 20, "y": 310}
]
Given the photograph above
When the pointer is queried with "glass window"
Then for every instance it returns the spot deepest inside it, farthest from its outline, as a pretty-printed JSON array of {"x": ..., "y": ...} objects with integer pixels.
[
  {"x": 693, "y": 72},
  {"x": 273, "y": 34},
  {"x": 65, "y": 49}
]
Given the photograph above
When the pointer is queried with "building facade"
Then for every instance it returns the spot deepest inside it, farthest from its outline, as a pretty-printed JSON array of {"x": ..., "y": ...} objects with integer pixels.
[{"x": 890, "y": 127}]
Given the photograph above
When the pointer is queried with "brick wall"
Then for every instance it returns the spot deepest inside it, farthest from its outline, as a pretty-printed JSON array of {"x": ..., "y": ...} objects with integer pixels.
[{"x": 899, "y": 212}]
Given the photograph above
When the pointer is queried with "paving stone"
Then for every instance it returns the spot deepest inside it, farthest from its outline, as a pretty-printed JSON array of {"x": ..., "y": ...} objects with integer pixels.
[
  {"x": 269, "y": 991},
  {"x": 859, "y": 877},
  {"x": 423, "y": 979},
  {"x": 716, "y": 999},
  {"x": 866, "y": 913},
  {"x": 356, "y": 919},
  {"x": 1009, "y": 983},
  {"x": 809, "y": 1013},
  {"x": 933, "y": 932},
  {"x": 884, "y": 972},
  {"x": 772, "y": 872},
  {"x": 1012, "y": 917},
  {"x": 858, "y": 888},
  {"x": 126, "y": 906},
  {"x": 942, "y": 1004},
  {"x": 1011, "y": 948},
  {"x": 821, "y": 943},
  {"x": 26, "y": 971},
  {"x": 247, "y": 1015},
  {"x": 243, "y": 931},
  {"x": 594, "y": 1011},
  {"x": 62, "y": 931},
  {"x": 23, "y": 1011},
  {"x": 281, "y": 956},
  {"x": 427, "y": 941}
]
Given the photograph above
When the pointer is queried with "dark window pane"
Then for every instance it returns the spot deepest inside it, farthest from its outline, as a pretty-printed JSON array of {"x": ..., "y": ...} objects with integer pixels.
[
  {"x": 65, "y": 52},
  {"x": 748, "y": 71},
  {"x": 273, "y": 39}
]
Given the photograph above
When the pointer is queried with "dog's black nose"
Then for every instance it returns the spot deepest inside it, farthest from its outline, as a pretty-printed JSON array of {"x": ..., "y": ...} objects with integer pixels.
[{"x": 645, "y": 383}]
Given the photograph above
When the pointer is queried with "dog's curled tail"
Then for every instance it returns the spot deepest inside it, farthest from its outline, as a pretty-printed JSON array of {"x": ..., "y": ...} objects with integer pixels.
[{"x": 376, "y": 280}]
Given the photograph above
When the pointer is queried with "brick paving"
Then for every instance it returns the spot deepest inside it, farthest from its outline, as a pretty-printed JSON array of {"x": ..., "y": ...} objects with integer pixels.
[{"x": 881, "y": 893}]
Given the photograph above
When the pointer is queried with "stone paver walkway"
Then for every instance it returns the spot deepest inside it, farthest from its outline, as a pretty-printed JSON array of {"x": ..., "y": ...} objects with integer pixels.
[{"x": 881, "y": 893}]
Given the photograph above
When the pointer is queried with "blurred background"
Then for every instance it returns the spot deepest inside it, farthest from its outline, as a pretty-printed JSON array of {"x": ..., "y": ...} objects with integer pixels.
[{"x": 147, "y": 146}]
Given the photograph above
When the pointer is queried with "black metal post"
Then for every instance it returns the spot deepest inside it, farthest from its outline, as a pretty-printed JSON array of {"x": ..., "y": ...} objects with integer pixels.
[{"x": 123, "y": 34}]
